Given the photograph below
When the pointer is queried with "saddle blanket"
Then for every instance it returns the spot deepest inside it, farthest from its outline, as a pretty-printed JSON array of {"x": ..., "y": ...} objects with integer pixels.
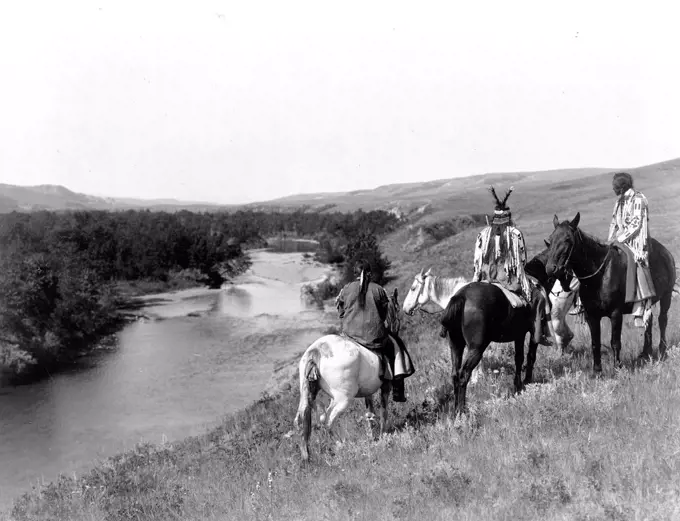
[
  {"x": 639, "y": 283},
  {"x": 515, "y": 300}
]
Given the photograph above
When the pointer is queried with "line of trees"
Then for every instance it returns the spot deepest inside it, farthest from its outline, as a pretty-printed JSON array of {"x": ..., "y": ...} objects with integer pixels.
[{"x": 60, "y": 273}]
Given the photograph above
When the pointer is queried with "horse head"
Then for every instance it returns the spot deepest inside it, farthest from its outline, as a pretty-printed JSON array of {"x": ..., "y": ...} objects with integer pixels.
[
  {"x": 561, "y": 245},
  {"x": 418, "y": 294}
]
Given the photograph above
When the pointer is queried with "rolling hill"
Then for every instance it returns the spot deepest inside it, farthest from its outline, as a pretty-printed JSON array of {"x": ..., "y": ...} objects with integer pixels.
[
  {"x": 560, "y": 191},
  {"x": 57, "y": 198}
]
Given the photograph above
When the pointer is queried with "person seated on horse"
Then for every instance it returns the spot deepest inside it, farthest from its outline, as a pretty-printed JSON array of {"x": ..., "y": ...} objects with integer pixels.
[
  {"x": 500, "y": 257},
  {"x": 630, "y": 226},
  {"x": 363, "y": 306}
]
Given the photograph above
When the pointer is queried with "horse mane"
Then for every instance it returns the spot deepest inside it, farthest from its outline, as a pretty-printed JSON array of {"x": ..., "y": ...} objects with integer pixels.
[
  {"x": 446, "y": 284},
  {"x": 592, "y": 238}
]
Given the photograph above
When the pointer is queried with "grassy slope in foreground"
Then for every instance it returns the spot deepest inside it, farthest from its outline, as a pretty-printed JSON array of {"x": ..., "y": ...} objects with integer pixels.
[
  {"x": 569, "y": 448},
  {"x": 573, "y": 448}
]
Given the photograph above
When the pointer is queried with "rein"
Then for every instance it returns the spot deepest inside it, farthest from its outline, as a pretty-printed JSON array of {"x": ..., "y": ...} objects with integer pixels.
[{"x": 604, "y": 261}]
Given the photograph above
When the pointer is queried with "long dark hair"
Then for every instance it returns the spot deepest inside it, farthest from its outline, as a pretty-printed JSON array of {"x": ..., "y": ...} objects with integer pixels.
[{"x": 364, "y": 281}]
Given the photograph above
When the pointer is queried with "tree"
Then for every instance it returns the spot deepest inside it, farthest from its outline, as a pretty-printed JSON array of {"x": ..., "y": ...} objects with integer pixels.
[{"x": 365, "y": 248}]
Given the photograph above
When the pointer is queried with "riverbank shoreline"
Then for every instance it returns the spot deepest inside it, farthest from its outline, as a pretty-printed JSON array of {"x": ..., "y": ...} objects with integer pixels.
[{"x": 288, "y": 333}]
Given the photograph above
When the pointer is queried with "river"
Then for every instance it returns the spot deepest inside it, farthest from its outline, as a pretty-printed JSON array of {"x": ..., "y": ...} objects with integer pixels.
[{"x": 200, "y": 355}]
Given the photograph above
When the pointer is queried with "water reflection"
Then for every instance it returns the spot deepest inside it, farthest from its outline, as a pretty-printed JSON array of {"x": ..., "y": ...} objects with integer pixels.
[{"x": 257, "y": 298}]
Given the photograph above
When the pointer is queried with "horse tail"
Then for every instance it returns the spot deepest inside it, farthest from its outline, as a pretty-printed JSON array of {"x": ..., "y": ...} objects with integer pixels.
[
  {"x": 453, "y": 315},
  {"x": 309, "y": 388}
]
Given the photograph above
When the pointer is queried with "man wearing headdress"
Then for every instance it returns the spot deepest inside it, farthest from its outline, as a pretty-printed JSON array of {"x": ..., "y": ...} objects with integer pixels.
[
  {"x": 630, "y": 226},
  {"x": 500, "y": 257},
  {"x": 363, "y": 307}
]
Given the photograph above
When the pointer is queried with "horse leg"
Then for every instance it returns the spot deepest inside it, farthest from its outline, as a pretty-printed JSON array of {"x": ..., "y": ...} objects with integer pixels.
[
  {"x": 472, "y": 358},
  {"x": 519, "y": 362},
  {"x": 647, "y": 351},
  {"x": 595, "y": 340},
  {"x": 664, "y": 305},
  {"x": 385, "y": 391},
  {"x": 457, "y": 347},
  {"x": 370, "y": 415},
  {"x": 340, "y": 405},
  {"x": 324, "y": 415},
  {"x": 616, "y": 321},
  {"x": 531, "y": 360}
]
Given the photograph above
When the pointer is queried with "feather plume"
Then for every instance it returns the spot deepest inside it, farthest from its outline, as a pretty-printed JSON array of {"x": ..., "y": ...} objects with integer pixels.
[
  {"x": 507, "y": 194},
  {"x": 493, "y": 192}
]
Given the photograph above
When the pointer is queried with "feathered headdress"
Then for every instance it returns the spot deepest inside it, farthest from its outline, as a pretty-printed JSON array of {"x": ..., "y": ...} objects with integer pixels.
[
  {"x": 501, "y": 214},
  {"x": 501, "y": 204}
]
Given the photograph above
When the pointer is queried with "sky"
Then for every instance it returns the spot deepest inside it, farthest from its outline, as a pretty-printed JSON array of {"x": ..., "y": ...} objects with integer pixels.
[{"x": 234, "y": 102}]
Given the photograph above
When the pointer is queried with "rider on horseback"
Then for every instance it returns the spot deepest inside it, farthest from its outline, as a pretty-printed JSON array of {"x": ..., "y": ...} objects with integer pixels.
[
  {"x": 500, "y": 257},
  {"x": 629, "y": 226},
  {"x": 363, "y": 307}
]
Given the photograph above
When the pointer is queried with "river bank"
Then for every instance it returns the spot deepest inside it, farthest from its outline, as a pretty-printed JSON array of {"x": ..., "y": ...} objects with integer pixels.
[{"x": 189, "y": 358}]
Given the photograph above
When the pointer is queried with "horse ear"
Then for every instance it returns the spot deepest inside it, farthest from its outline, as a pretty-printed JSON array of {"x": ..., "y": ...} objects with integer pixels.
[
  {"x": 556, "y": 221},
  {"x": 422, "y": 270},
  {"x": 428, "y": 272},
  {"x": 575, "y": 221}
]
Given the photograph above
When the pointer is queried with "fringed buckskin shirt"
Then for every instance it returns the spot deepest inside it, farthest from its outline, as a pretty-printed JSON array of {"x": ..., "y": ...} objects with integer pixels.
[
  {"x": 367, "y": 325},
  {"x": 492, "y": 264},
  {"x": 630, "y": 224}
]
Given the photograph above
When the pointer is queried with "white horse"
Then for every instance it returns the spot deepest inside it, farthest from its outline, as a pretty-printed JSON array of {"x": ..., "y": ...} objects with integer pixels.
[{"x": 344, "y": 370}]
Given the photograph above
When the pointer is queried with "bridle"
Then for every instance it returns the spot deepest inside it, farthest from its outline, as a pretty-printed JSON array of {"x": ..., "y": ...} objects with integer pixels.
[{"x": 585, "y": 277}]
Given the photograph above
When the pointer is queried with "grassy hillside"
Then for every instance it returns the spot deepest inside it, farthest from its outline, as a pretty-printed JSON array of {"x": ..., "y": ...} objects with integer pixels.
[{"x": 570, "y": 447}]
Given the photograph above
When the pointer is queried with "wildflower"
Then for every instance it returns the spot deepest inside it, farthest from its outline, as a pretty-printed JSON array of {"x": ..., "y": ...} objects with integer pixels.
[{"x": 270, "y": 480}]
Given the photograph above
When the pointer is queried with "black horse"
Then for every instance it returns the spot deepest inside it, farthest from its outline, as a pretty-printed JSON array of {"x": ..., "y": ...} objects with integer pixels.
[
  {"x": 477, "y": 315},
  {"x": 601, "y": 269}
]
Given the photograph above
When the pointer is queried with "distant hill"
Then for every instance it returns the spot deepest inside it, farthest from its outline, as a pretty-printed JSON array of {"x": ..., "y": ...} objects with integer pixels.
[
  {"x": 56, "y": 197},
  {"x": 552, "y": 191}
]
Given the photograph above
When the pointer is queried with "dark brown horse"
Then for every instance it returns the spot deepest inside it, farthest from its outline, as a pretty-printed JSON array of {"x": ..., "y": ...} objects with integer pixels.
[
  {"x": 477, "y": 315},
  {"x": 601, "y": 269}
]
